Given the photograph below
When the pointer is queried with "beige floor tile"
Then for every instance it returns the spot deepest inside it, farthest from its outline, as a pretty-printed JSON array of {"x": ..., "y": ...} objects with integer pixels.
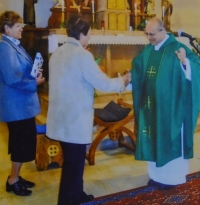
[{"x": 115, "y": 170}]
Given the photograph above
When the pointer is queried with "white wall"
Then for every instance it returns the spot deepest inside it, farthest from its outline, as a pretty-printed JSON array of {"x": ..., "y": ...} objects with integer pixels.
[
  {"x": 12, "y": 5},
  {"x": 186, "y": 13},
  {"x": 185, "y": 17},
  {"x": 42, "y": 10}
]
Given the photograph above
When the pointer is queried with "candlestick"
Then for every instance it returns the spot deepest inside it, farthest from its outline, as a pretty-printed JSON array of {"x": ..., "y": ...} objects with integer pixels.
[
  {"x": 63, "y": 16},
  {"x": 102, "y": 25},
  {"x": 62, "y": 5},
  {"x": 135, "y": 23},
  {"x": 135, "y": 9},
  {"x": 79, "y": 8},
  {"x": 163, "y": 11},
  {"x": 92, "y": 6},
  {"x": 169, "y": 11},
  {"x": 93, "y": 21}
]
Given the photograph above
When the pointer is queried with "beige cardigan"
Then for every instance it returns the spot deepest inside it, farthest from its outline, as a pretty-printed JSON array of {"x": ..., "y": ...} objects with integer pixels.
[{"x": 73, "y": 75}]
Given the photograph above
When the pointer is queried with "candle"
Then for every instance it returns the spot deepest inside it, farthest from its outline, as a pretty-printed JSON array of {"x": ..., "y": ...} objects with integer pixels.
[
  {"x": 102, "y": 25},
  {"x": 63, "y": 17},
  {"x": 62, "y": 5},
  {"x": 135, "y": 9},
  {"x": 92, "y": 6},
  {"x": 79, "y": 8},
  {"x": 163, "y": 11}
]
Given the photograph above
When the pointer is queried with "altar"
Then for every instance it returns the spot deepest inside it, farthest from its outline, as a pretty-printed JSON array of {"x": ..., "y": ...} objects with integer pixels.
[{"x": 117, "y": 48}]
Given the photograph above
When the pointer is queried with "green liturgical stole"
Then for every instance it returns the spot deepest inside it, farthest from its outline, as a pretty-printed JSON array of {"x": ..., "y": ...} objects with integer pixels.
[{"x": 147, "y": 123}]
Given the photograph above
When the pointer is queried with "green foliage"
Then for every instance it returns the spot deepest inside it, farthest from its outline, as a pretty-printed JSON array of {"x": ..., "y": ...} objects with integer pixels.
[
  {"x": 142, "y": 25},
  {"x": 98, "y": 60},
  {"x": 63, "y": 24}
]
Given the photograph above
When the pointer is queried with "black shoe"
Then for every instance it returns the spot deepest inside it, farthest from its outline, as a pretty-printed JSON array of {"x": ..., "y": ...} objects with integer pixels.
[
  {"x": 165, "y": 186},
  {"x": 86, "y": 198},
  {"x": 159, "y": 185},
  {"x": 18, "y": 189},
  {"x": 151, "y": 182},
  {"x": 26, "y": 183}
]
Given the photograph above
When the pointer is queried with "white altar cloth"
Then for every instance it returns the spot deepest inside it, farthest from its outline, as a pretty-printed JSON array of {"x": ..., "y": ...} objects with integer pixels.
[{"x": 119, "y": 39}]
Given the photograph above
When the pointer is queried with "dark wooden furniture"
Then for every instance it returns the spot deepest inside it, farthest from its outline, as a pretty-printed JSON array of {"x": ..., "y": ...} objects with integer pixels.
[
  {"x": 48, "y": 151},
  {"x": 57, "y": 19},
  {"x": 84, "y": 10},
  {"x": 36, "y": 40},
  {"x": 115, "y": 131}
]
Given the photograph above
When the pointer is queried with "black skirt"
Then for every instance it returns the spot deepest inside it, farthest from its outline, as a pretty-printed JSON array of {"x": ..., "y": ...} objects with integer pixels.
[{"x": 22, "y": 140}]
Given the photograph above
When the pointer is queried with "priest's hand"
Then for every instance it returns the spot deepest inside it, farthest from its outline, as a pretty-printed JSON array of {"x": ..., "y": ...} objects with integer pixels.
[
  {"x": 181, "y": 54},
  {"x": 126, "y": 78}
]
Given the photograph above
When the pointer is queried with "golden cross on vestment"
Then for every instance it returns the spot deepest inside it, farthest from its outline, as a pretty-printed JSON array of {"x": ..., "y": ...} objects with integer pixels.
[
  {"x": 151, "y": 72},
  {"x": 148, "y": 103},
  {"x": 147, "y": 132}
]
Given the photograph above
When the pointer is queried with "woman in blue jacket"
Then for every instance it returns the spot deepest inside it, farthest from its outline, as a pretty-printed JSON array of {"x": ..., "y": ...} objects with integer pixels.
[{"x": 19, "y": 102}]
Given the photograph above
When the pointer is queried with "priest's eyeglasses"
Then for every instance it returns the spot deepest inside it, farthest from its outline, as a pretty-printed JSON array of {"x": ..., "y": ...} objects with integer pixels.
[{"x": 151, "y": 34}]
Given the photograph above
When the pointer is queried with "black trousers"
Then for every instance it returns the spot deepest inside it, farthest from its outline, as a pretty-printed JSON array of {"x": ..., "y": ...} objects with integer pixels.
[{"x": 71, "y": 184}]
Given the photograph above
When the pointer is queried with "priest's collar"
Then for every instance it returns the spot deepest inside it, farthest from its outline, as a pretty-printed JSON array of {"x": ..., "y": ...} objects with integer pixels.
[
  {"x": 14, "y": 40},
  {"x": 157, "y": 47}
]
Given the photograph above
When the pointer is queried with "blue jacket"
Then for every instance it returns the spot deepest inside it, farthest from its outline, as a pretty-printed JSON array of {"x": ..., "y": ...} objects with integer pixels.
[{"x": 18, "y": 90}]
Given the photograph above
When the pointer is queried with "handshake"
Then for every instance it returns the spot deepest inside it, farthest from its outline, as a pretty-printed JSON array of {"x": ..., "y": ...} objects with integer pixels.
[{"x": 126, "y": 77}]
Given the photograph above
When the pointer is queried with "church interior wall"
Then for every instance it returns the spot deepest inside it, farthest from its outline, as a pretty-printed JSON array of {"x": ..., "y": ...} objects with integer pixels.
[
  {"x": 185, "y": 13},
  {"x": 186, "y": 17}
]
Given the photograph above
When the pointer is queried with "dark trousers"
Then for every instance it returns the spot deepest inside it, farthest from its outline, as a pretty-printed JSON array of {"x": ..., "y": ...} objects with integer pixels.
[{"x": 71, "y": 184}]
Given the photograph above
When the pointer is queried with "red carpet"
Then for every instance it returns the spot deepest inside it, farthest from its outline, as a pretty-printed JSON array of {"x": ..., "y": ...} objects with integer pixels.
[{"x": 185, "y": 194}]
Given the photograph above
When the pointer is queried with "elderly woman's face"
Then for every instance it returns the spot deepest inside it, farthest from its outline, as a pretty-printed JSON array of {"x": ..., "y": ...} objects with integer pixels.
[{"x": 15, "y": 31}]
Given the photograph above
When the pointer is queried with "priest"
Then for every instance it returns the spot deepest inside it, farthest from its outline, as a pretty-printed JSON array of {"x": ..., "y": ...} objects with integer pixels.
[{"x": 166, "y": 98}]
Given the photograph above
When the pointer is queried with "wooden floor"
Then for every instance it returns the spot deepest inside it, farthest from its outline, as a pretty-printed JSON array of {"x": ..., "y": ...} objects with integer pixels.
[{"x": 115, "y": 170}]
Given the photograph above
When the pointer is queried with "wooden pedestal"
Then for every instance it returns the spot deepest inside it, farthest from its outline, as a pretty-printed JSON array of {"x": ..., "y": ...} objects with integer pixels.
[
  {"x": 48, "y": 151},
  {"x": 57, "y": 18}
]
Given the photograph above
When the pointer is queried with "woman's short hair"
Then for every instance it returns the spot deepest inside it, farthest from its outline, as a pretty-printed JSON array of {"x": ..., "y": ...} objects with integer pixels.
[
  {"x": 77, "y": 25},
  {"x": 9, "y": 18}
]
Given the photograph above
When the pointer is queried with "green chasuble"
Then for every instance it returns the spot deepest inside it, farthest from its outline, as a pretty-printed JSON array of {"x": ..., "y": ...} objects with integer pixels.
[{"x": 164, "y": 100}]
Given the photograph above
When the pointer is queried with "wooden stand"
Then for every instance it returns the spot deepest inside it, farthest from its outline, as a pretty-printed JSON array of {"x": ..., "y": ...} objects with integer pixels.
[
  {"x": 114, "y": 130},
  {"x": 47, "y": 152}
]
